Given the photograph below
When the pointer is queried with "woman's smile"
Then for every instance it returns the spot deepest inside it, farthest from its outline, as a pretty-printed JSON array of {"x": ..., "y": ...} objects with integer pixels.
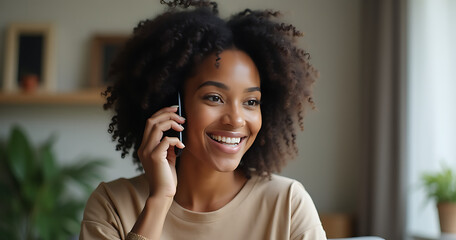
[
  {"x": 222, "y": 106},
  {"x": 228, "y": 142}
]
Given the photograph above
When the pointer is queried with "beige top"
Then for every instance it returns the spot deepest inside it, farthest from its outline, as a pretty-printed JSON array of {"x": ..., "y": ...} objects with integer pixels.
[{"x": 279, "y": 208}]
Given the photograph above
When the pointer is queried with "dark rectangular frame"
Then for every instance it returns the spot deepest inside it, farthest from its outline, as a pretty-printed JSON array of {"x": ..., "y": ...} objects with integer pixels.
[
  {"x": 101, "y": 56},
  {"x": 15, "y": 30}
]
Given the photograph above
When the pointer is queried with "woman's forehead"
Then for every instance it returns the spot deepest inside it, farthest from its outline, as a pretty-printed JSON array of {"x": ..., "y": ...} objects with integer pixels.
[{"x": 234, "y": 67}]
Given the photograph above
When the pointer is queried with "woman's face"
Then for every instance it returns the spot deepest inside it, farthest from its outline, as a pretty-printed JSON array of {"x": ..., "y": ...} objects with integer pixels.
[{"x": 222, "y": 110}]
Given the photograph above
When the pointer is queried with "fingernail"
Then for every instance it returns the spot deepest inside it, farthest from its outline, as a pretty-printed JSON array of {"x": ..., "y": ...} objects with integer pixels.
[
  {"x": 174, "y": 106},
  {"x": 182, "y": 118},
  {"x": 181, "y": 126}
]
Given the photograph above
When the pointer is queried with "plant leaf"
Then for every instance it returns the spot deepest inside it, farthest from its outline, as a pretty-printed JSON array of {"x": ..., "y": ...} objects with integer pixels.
[
  {"x": 19, "y": 155},
  {"x": 440, "y": 186},
  {"x": 84, "y": 173},
  {"x": 47, "y": 159},
  {"x": 34, "y": 190}
]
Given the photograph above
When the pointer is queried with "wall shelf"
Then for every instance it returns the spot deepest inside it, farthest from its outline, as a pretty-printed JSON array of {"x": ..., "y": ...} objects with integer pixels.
[{"x": 82, "y": 97}]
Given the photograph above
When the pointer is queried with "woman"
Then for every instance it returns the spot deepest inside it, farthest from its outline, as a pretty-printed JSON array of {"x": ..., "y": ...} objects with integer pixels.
[{"x": 244, "y": 86}]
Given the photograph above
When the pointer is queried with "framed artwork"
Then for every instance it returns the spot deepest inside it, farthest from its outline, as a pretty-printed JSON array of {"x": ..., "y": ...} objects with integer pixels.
[
  {"x": 104, "y": 48},
  {"x": 29, "y": 58}
]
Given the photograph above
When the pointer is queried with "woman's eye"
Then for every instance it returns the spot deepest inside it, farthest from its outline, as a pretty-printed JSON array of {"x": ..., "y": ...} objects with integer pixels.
[
  {"x": 213, "y": 98},
  {"x": 253, "y": 102}
]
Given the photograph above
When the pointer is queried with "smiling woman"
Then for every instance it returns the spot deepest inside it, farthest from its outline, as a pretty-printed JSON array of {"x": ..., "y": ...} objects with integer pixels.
[
  {"x": 222, "y": 103},
  {"x": 245, "y": 86}
]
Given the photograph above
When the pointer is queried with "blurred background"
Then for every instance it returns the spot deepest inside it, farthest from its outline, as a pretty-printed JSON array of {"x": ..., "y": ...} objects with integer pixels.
[{"x": 384, "y": 99}]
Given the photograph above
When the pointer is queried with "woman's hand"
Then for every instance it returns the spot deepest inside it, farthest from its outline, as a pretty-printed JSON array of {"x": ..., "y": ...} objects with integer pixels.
[{"x": 157, "y": 152}]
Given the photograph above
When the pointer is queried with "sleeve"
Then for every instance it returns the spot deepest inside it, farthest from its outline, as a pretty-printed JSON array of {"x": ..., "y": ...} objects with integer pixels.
[
  {"x": 100, "y": 220},
  {"x": 305, "y": 222}
]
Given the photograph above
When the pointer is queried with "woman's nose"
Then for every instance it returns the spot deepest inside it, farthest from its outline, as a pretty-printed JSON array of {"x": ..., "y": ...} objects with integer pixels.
[{"x": 234, "y": 116}]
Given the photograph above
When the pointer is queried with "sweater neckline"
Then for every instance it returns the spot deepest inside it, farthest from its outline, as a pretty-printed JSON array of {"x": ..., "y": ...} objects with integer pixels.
[{"x": 201, "y": 217}]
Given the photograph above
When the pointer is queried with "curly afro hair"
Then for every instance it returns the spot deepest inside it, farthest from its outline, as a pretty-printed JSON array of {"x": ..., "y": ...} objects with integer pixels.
[{"x": 163, "y": 51}]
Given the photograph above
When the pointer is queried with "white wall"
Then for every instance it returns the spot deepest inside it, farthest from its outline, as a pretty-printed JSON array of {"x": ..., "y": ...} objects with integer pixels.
[{"x": 328, "y": 162}]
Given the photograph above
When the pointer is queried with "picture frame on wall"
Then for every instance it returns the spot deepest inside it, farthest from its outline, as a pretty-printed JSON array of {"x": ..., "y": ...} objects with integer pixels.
[
  {"x": 29, "y": 63},
  {"x": 104, "y": 48}
]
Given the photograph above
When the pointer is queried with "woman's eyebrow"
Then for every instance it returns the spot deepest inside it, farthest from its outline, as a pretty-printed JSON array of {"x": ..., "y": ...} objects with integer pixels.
[
  {"x": 216, "y": 84},
  {"x": 253, "y": 89},
  {"x": 225, "y": 87}
]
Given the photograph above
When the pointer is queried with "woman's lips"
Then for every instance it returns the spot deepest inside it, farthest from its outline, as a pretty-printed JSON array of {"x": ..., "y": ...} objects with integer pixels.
[
  {"x": 226, "y": 140},
  {"x": 234, "y": 145}
]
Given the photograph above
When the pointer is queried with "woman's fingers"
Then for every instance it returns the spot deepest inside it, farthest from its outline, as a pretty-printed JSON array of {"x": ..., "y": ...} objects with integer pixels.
[
  {"x": 158, "y": 130},
  {"x": 166, "y": 109},
  {"x": 156, "y": 152},
  {"x": 160, "y": 122},
  {"x": 160, "y": 116},
  {"x": 167, "y": 143},
  {"x": 160, "y": 152},
  {"x": 159, "y": 166}
]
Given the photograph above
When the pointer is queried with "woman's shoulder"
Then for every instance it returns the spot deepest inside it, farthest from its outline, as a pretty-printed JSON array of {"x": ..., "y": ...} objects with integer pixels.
[
  {"x": 291, "y": 196},
  {"x": 122, "y": 190},
  {"x": 137, "y": 182},
  {"x": 277, "y": 183},
  {"x": 123, "y": 187},
  {"x": 114, "y": 206}
]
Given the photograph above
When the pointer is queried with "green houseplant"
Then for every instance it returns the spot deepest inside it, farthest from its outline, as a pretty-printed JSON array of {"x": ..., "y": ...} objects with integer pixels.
[
  {"x": 35, "y": 199},
  {"x": 441, "y": 186}
]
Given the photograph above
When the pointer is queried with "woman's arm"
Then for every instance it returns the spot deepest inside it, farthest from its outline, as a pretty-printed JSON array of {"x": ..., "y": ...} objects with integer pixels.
[
  {"x": 159, "y": 162},
  {"x": 106, "y": 218},
  {"x": 150, "y": 221}
]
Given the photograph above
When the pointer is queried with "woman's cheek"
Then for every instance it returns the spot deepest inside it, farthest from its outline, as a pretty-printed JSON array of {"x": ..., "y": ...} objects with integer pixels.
[{"x": 256, "y": 122}]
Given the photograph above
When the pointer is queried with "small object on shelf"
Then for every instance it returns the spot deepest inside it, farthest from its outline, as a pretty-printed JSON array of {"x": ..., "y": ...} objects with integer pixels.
[{"x": 29, "y": 83}]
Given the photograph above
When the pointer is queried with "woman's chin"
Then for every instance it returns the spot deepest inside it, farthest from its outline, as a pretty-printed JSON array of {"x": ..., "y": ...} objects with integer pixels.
[
  {"x": 226, "y": 165},
  {"x": 217, "y": 163}
]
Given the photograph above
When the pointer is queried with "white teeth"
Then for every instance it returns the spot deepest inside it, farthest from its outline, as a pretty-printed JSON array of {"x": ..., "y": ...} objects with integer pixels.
[{"x": 227, "y": 140}]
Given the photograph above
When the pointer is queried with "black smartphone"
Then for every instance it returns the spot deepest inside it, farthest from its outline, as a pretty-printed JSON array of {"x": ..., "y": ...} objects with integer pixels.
[
  {"x": 173, "y": 133},
  {"x": 179, "y": 111}
]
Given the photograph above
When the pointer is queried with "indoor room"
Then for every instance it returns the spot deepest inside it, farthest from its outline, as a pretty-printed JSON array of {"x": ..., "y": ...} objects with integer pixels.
[{"x": 376, "y": 153}]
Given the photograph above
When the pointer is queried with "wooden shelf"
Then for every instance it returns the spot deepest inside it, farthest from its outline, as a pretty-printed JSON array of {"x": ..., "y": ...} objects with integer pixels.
[{"x": 83, "y": 97}]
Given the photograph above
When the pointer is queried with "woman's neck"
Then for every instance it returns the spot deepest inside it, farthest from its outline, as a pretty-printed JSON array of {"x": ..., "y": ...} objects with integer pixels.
[{"x": 203, "y": 189}]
